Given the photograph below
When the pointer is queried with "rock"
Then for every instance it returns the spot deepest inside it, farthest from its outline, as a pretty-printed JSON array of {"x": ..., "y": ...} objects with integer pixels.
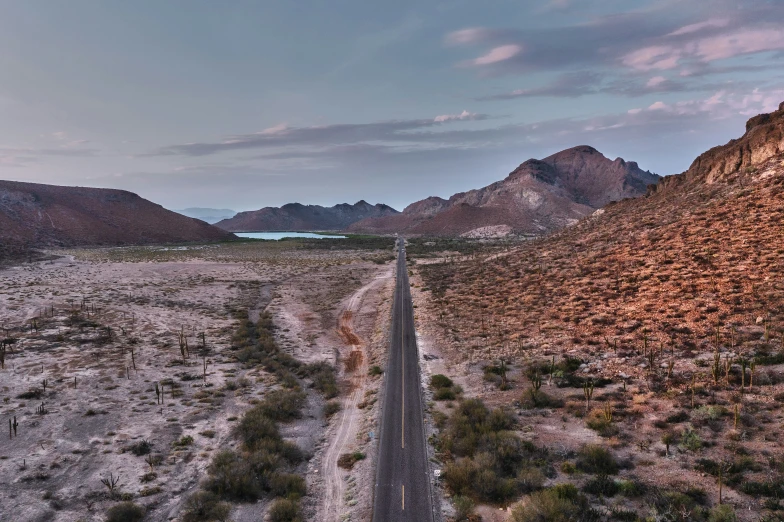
[{"x": 760, "y": 320}]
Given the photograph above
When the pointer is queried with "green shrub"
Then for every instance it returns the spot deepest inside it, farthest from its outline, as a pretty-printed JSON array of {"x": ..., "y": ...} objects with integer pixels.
[
  {"x": 287, "y": 485},
  {"x": 375, "y": 370},
  {"x": 125, "y": 512},
  {"x": 722, "y": 513},
  {"x": 464, "y": 507},
  {"x": 547, "y": 506},
  {"x": 691, "y": 440},
  {"x": 282, "y": 405},
  {"x": 184, "y": 441},
  {"x": 205, "y": 506},
  {"x": 444, "y": 394},
  {"x": 232, "y": 476},
  {"x": 331, "y": 408},
  {"x": 284, "y": 510},
  {"x": 596, "y": 459},
  {"x": 440, "y": 381},
  {"x": 601, "y": 485},
  {"x": 538, "y": 399},
  {"x": 323, "y": 377}
]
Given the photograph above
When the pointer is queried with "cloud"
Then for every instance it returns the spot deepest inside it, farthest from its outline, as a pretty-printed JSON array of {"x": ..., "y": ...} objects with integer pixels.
[
  {"x": 497, "y": 54},
  {"x": 323, "y": 135},
  {"x": 699, "y": 26},
  {"x": 664, "y": 36},
  {"x": 568, "y": 85},
  {"x": 465, "y": 115}
]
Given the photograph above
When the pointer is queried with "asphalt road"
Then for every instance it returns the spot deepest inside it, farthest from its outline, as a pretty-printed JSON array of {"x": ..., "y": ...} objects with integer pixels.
[{"x": 402, "y": 477}]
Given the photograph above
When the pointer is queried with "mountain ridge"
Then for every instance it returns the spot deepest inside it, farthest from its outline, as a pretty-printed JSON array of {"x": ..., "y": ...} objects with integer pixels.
[
  {"x": 299, "y": 217},
  {"x": 34, "y": 215},
  {"x": 536, "y": 197}
]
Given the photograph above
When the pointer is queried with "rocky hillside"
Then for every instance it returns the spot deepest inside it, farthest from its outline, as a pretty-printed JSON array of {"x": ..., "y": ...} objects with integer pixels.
[
  {"x": 35, "y": 216},
  {"x": 673, "y": 301},
  {"x": 298, "y": 217},
  {"x": 538, "y": 196}
]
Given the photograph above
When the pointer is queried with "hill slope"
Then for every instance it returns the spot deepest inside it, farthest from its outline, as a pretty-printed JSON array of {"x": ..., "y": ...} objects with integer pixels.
[
  {"x": 667, "y": 300},
  {"x": 34, "y": 215},
  {"x": 296, "y": 216},
  {"x": 538, "y": 196}
]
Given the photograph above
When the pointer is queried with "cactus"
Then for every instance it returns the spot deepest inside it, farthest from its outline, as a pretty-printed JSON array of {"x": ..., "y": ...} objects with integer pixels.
[
  {"x": 608, "y": 412},
  {"x": 157, "y": 394},
  {"x": 536, "y": 382},
  {"x": 716, "y": 368},
  {"x": 111, "y": 483},
  {"x": 588, "y": 393},
  {"x": 737, "y": 415}
]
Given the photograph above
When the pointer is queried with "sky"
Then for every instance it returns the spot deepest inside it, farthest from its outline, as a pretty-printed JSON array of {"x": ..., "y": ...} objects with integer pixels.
[{"x": 244, "y": 104}]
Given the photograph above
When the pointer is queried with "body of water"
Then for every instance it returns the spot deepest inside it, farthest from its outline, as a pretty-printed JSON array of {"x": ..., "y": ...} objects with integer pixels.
[{"x": 281, "y": 235}]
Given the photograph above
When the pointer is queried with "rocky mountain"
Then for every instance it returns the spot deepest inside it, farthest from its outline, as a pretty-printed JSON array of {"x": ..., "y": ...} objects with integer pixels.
[
  {"x": 538, "y": 196},
  {"x": 298, "y": 217},
  {"x": 675, "y": 292},
  {"x": 210, "y": 215},
  {"x": 34, "y": 215}
]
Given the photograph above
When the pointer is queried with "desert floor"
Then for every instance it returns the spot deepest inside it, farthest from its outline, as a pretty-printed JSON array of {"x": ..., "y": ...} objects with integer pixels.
[{"x": 95, "y": 333}]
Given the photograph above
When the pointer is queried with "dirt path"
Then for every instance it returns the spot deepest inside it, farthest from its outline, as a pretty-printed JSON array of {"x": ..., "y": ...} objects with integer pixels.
[{"x": 349, "y": 417}]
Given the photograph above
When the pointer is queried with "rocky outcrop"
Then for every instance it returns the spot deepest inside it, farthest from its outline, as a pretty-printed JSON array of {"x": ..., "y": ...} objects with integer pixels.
[
  {"x": 763, "y": 140},
  {"x": 298, "y": 217},
  {"x": 538, "y": 196},
  {"x": 36, "y": 216}
]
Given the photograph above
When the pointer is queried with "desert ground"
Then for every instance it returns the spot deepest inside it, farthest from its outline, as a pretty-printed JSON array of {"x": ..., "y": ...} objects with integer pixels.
[{"x": 127, "y": 370}]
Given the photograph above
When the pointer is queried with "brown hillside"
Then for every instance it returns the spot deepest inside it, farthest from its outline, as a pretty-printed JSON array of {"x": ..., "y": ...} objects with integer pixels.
[
  {"x": 537, "y": 197},
  {"x": 674, "y": 294},
  {"x": 34, "y": 215}
]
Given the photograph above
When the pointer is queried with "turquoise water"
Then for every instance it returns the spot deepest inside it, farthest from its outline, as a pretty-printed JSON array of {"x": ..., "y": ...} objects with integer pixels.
[{"x": 280, "y": 235}]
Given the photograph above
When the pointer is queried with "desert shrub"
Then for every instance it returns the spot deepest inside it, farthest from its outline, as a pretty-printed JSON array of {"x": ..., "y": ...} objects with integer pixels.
[
  {"x": 205, "y": 506},
  {"x": 33, "y": 393},
  {"x": 375, "y": 370},
  {"x": 288, "y": 485},
  {"x": 284, "y": 510},
  {"x": 282, "y": 405},
  {"x": 125, "y": 512},
  {"x": 184, "y": 441},
  {"x": 488, "y": 456},
  {"x": 601, "y": 485},
  {"x": 722, "y": 513},
  {"x": 596, "y": 459},
  {"x": 464, "y": 507},
  {"x": 680, "y": 416},
  {"x": 691, "y": 440},
  {"x": 323, "y": 377},
  {"x": 538, "y": 399},
  {"x": 553, "y": 505},
  {"x": 440, "y": 381},
  {"x": 598, "y": 422},
  {"x": 141, "y": 448},
  {"x": 631, "y": 488},
  {"x": 764, "y": 489},
  {"x": 232, "y": 476},
  {"x": 444, "y": 394},
  {"x": 347, "y": 460},
  {"x": 331, "y": 408}
]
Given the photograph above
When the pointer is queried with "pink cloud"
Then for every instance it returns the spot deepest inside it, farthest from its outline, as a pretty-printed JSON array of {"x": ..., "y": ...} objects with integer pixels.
[
  {"x": 656, "y": 57},
  {"x": 693, "y": 28},
  {"x": 498, "y": 54},
  {"x": 468, "y": 35},
  {"x": 738, "y": 43}
]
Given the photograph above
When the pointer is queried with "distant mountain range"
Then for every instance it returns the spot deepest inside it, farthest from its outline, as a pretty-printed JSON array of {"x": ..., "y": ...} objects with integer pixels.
[
  {"x": 295, "y": 216},
  {"x": 537, "y": 197},
  {"x": 34, "y": 215},
  {"x": 210, "y": 215}
]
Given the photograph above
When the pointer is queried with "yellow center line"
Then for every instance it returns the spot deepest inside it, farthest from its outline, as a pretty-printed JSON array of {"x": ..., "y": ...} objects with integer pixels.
[{"x": 403, "y": 498}]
